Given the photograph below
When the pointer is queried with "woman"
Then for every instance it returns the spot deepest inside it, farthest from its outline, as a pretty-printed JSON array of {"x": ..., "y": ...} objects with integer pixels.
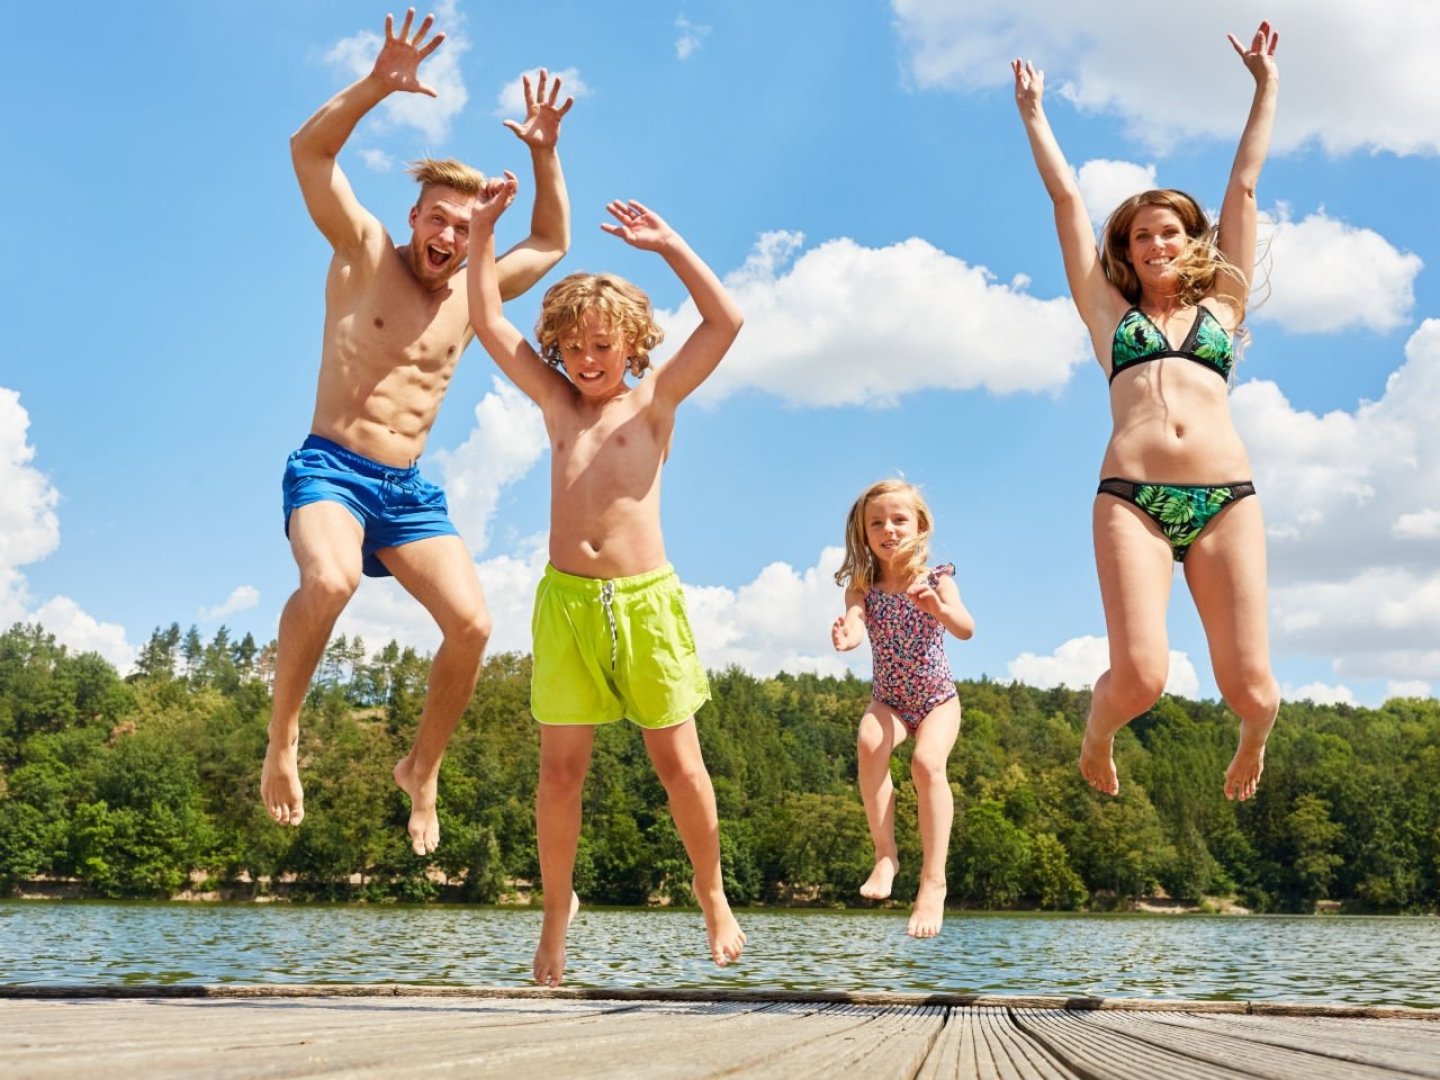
[{"x": 1175, "y": 481}]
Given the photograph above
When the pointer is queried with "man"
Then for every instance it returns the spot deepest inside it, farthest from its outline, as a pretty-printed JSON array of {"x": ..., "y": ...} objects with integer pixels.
[{"x": 396, "y": 322}]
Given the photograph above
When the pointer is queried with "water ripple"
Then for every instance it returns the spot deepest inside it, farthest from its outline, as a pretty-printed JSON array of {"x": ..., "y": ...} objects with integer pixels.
[{"x": 1392, "y": 961}]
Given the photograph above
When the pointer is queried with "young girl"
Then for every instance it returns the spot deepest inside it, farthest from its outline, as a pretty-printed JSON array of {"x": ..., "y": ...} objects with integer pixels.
[{"x": 906, "y": 606}]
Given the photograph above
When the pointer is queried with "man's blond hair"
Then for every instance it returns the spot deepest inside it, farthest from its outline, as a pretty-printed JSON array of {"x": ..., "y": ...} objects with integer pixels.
[{"x": 446, "y": 172}]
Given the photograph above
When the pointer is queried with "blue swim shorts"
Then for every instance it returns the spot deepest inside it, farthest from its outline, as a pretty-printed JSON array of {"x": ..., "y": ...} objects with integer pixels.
[{"x": 394, "y": 506}]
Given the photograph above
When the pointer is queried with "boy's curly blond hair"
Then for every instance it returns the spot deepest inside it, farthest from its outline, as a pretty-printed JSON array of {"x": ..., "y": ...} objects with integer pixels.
[{"x": 623, "y": 305}]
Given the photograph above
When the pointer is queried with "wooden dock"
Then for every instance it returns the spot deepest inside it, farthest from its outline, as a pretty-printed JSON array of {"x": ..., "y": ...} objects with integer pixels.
[{"x": 404, "y": 1031}]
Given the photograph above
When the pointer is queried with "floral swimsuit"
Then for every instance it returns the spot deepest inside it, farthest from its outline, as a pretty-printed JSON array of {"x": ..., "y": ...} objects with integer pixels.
[{"x": 912, "y": 674}]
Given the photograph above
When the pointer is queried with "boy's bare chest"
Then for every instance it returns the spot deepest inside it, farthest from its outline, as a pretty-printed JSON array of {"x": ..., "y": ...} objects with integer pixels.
[{"x": 599, "y": 450}]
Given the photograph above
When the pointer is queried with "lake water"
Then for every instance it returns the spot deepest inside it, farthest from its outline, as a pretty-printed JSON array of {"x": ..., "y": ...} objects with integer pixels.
[{"x": 1390, "y": 961}]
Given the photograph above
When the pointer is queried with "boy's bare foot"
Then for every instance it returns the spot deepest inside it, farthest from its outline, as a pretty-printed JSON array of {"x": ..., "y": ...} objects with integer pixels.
[
  {"x": 877, "y": 886},
  {"x": 727, "y": 940},
  {"x": 1243, "y": 775},
  {"x": 424, "y": 825},
  {"x": 929, "y": 910},
  {"x": 1097, "y": 762},
  {"x": 280, "y": 785},
  {"x": 549, "y": 966}
]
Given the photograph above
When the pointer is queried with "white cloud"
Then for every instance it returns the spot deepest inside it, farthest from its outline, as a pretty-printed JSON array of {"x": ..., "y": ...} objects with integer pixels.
[
  {"x": 377, "y": 160},
  {"x": 382, "y": 611},
  {"x": 1100, "y": 57},
  {"x": 508, "y": 438},
  {"x": 1325, "y": 276},
  {"x": 1351, "y": 503},
  {"x": 1080, "y": 661},
  {"x": 80, "y": 632},
  {"x": 29, "y": 532},
  {"x": 510, "y": 102},
  {"x": 691, "y": 36},
  {"x": 1420, "y": 525},
  {"x": 1318, "y": 692},
  {"x": 778, "y": 622},
  {"x": 432, "y": 117},
  {"x": 243, "y": 598},
  {"x": 1411, "y": 688},
  {"x": 1105, "y": 184},
  {"x": 29, "y": 529},
  {"x": 867, "y": 318}
]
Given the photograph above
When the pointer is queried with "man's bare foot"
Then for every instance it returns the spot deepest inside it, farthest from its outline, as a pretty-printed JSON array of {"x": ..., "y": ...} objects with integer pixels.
[
  {"x": 424, "y": 825},
  {"x": 727, "y": 940},
  {"x": 1243, "y": 775},
  {"x": 877, "y": 886},
  {"x": 1097, "y": 762},
  {"x": 280, "y": 789},
  {"x": 549, "y": 966},
  {"x": 929, "y": 910}
]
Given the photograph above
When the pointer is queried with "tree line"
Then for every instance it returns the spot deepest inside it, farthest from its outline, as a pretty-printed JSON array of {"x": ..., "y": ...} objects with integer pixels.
[{"x": 145, "y": 785}]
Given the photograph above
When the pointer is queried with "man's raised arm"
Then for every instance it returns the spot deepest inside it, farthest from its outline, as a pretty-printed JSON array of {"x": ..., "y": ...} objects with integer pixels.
[
  {"x": 314, "y": 149},
  {"x": 529, "y": 260}
]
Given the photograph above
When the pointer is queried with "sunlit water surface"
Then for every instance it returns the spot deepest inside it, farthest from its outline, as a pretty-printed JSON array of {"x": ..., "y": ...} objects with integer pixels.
[{"x": 1353, "y": 960}]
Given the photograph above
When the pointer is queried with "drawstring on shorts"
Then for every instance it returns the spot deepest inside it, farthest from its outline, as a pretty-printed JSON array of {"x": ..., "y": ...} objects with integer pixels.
[{"x": 607, "y": 601}]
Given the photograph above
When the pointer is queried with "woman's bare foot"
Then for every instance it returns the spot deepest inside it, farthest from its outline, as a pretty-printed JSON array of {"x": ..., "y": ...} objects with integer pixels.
[
  {"x": 727, "y": 940},
  {"x": 929, "y": 910},
  {"x": 424, "y": 827},
  {"x": 877, "y": 886},
  {"x": 280, "y": 789},
  {"x": 1097, "y": 761},
  {"x": 1243, "y": 775}
]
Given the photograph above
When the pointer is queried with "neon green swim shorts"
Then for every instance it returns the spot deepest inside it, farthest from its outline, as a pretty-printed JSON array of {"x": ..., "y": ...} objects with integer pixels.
[{"x": 606, "y": 650}]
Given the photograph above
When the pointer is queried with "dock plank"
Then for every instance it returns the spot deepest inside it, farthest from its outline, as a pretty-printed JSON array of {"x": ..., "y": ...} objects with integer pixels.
[
  {"x": 985, "y": 1044},
  {"x": 1379, "y": 1043},
  {"x": 362, "y": 1033}
]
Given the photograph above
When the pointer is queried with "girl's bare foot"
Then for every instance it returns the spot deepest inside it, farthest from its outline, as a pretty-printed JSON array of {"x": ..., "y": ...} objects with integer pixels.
[
  {"x": 877, "y": 886},
  {"x": 929, "y": 910},
  {"x": 727, "y": 940},
  {"x": 280, "y": 789},
  {"x": 424, "y": 827},
  {"x": 1243, "y": 775},
  {"x": 1097, "y": 761}
]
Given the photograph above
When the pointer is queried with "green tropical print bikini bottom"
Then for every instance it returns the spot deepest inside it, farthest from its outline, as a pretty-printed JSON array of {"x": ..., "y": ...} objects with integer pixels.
[{"x": 1180, "y": 511}]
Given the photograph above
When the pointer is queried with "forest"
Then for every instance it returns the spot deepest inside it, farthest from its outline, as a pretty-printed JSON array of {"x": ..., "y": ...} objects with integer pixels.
[{"x": 147, "y": 786}]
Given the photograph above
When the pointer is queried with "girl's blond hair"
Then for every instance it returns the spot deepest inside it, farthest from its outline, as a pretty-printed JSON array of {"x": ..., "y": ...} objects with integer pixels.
[
  {"x": 860, "y": 568},
  {"x": 623, "y": 305},
  {"x": 1197, "y": 265}
]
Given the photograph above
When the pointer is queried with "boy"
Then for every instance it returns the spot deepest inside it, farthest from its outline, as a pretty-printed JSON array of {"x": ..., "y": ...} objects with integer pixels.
[{"x": 611, "y": 636}]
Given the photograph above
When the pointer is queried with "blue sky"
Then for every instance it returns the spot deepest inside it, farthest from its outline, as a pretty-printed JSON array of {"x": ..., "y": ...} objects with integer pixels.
[{"x": 859, "y": 175}]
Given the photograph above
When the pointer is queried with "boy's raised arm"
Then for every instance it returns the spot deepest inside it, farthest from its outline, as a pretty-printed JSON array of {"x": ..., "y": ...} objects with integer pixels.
[
  {"x": 315, "y": 148},
  {"x": 720, "y": 318},
  {"x": 505, "y": 344},
  {"x": 529, "y": 260}
]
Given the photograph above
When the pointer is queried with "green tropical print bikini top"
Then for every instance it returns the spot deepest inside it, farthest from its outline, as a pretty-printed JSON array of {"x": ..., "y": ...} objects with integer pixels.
[{"x": 1138, "y": 340}]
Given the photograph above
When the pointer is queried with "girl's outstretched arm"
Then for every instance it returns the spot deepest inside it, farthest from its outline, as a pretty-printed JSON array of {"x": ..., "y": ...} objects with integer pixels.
[
  {"x": 849, "y": 630},
  {"x": 942, "y": 600},
  {"x": 1238, "y": 212},
  {"x": 1096, "y": 298}
]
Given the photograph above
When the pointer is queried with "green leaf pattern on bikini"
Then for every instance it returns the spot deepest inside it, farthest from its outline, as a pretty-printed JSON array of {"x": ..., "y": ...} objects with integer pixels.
[
  {"x": 1181, "y": 513},
  {"x": 1211, "y": 340}
]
